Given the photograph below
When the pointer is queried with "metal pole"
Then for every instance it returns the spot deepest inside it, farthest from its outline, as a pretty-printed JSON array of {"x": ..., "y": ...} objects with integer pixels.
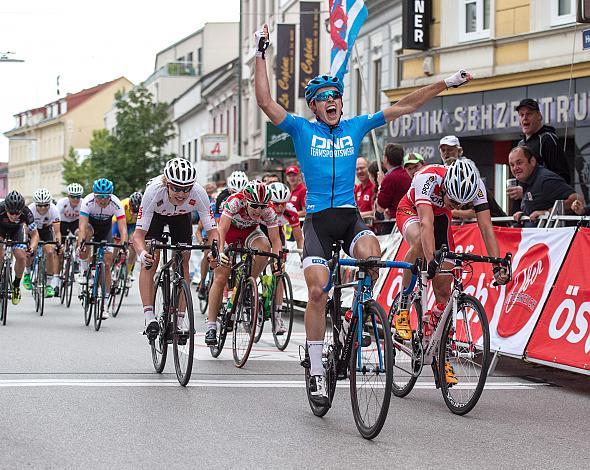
[
  {"x": 367, "y": 102},
  {"x": 240, "y": 83}
]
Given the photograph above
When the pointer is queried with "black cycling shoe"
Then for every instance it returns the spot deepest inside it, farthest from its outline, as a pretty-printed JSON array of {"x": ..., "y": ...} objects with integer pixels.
[
  {"x": 211, "y": 337},
  {"x": 202, "y": 292},
  {"x": 152, "y": 329}
]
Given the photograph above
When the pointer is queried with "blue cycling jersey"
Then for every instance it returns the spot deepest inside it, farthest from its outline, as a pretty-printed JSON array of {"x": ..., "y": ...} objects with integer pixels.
[{"x": 328, "y": 157}]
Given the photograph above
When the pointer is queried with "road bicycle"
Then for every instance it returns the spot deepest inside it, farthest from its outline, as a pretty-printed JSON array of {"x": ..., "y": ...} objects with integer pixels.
[
  {"x": 460, "y": 340},
  {"x": 6, "y": 278},
  {"x": 204, "y": 303},
  {"x": 240, "y": 311},
  {"x": 118, "y": 288},
  {"x": 173, "y": 307},
  {"x": 68, "y": 269},
  {"x": 93, "y": 289},
  {"x": 39, "y": 276},
  {"x": 268, "y": 287},
  {"x": 357, "y": 345}
]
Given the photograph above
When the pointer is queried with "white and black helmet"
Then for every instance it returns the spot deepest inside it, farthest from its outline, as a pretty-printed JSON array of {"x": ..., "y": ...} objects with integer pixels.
[
  {"x": 279, "y": 192},
  {"x": 461, "y": 181},
  {"x": 75, "y": 190},
  {"x": 42, "y": 196},
  {"x": 237, "y": 181},
  {"x": 180, "y": 172}
]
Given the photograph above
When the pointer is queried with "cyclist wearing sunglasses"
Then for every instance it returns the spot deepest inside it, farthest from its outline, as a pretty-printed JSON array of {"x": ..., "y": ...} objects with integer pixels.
[
  {"x": 46, "y": 216},
  {"x": 69, "y": 209},
  {"x": 96, "y": 213},
  {"x": 327, "y": 150},
  {"x": 424, "y": 218},
  {"x": 15, "y": 217},
  {"x": 243, "y": 214},
  {"x": 169, "y": 199}
]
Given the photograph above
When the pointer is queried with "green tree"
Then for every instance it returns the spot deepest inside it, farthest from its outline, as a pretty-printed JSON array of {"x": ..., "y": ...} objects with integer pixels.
[
  {"x": 77, "y": 170},
  {"x": 134, "y": 152}
]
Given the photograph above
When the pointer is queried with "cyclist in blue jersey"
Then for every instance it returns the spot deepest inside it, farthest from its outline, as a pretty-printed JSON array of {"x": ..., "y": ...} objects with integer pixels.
[{"x": 327, "y": 149}]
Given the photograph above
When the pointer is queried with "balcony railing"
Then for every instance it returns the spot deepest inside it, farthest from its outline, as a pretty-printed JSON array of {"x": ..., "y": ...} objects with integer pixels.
[{"x": 177, "y": 69}]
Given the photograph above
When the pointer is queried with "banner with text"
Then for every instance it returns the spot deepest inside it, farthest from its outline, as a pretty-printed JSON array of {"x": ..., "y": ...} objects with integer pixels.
[
  {"x": 285, "y": 69},
  {"x": 309, "y": 43}
]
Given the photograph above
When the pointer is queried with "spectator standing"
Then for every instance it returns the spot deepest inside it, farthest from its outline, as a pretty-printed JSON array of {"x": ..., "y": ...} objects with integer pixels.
[
  {"x": 450, "y": 149},
  {"x": 297, "y": 188},
  {"x": 396, "y": 181},
  {"x": 269, "y": 178},
  {"x": 541, "y": 187},
  {"x": 364, "y": 194},
  {"x": 412, "y": 163}
]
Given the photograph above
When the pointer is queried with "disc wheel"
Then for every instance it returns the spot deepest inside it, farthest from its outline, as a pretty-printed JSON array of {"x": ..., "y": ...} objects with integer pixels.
[
  {"x": 159, "y": 346},
  {"x": 287, "y": 314},
  {"x": 407, "y": 354},
  {"x": 465, "y": 346},
  {"x": 183, "y": 344},
  {"x": 98, "y": 305},
  {"x": 371, "y": 371},
  {"x": 245, "y": 324}
]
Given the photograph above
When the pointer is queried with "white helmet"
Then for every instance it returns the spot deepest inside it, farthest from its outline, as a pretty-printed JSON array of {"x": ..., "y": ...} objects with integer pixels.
[
  {"x": 75, "y": 190},
  {"x": 42, "y": 196},
  {"x": 279, "y": 192},
  {"x": 180, "y": 172},
  {"x": 237, "y": 181},
  {"x": 462, "y": 181}
]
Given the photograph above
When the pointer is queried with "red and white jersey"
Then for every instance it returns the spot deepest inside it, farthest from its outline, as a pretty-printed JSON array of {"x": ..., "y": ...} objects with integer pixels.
[
  {"x": 426, "y": 188},
  {"x": 289, "y": 215},
  {"x": 156, "y": 200},
  {"x": 235, "y": 209},
  {"x": 67, "y": 212},
  {"x": 45, "y": 220}
]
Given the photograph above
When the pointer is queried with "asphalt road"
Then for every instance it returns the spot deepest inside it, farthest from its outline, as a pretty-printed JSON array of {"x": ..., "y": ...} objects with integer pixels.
[{"x": 71, "y": 397}]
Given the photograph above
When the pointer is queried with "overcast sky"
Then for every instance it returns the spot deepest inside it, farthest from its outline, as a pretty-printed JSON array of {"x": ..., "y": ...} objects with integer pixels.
[{"x": 88, "y": 43}]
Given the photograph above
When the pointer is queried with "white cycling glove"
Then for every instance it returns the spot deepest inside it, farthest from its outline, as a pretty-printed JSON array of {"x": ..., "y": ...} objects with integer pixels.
[
  {"x": 457, "y": 79},
  {"x": 262, "y": 42},
  {"x": 141, "y": 258}
]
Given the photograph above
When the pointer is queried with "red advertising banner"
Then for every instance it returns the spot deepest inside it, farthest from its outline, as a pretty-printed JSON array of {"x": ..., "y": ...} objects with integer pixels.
[{"x": 562, "y": 334}]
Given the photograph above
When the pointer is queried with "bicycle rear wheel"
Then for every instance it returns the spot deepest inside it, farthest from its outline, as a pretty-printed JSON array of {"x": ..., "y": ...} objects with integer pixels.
[
  {"x": 260, "y": 319},
  {"x": 183, "y": 345},
  {"x": 329, "y": 359},
  {"x": 41, "y": 285},
  {"x": 204, "y": 303},
  {"x": 287, "y": 313},
  {"x": 465, "y": 345},
  {"x": 159, "y": 346},
  {"x": 221, "y": 331},
  {"x": 86, "y": 297},
  {"x": 6, "y": 285},
  {"x": 65, "y": 280},
  {"x": 118, "y": 290},
  {"x": 100, "y": 295},
  {"x": 245, "y": 324},
  {"x": 371, "y": 371},
  {"x": 407, "y": 354}
]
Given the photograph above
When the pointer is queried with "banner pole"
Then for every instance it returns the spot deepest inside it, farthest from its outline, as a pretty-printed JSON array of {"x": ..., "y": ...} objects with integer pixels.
[{"x": 367, "y": 102}]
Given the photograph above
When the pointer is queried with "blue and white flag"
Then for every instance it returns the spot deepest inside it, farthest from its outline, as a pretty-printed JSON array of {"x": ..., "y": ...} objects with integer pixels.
[{"x": 346, "y": 19}]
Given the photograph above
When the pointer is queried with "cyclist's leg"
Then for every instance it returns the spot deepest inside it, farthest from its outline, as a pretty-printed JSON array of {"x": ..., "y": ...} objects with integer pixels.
[
  {"x": 204, "y": 268},
  {"x": 258, "y": 240},
  {"x": 360, "y": 242},
  {"x": 50, "y": 257},
  {"x": 181, "y": 232},
  {"x": 132, "y": 255},
  {"x": 279, "y": 285},
  {"x": 441, "y": 284},
  {"x": 408, "y": 223}
]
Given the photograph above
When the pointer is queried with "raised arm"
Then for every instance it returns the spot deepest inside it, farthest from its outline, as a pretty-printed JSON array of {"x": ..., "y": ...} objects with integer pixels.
[
  {"x": 410, "y": 103},
  {"x": 275, "y": 112}
]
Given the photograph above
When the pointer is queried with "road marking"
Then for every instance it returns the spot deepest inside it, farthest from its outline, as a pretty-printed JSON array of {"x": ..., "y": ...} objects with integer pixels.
[{"x": 220, "y": 383}]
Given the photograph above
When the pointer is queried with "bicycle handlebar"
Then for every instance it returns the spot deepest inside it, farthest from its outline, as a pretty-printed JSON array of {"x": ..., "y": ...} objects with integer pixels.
[
  {"x": 444, "y": 253},
  {"x": 101, "y": 244},
  {"x": 253, "y": 252}
]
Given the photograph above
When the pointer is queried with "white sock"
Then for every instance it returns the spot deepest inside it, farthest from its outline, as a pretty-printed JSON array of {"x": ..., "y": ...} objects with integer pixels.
[
  {"x": 148, "y": 312},
  {"x": 211, "y": 325},
  {"x": 83, "y": 265},
  {"x": 315, "y": 350},
  {"x": 54, "y": 281}
]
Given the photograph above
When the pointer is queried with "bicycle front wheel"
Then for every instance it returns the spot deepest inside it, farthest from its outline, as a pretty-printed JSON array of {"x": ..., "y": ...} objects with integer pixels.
[
  {"x": 122, "y": 288},
  {"x": 159, "y": 346},
  {"x": 465, "y": 346},
  {"x": 183, "y": 344},
  {"x": 287, "y": 313},
  {"x": 99, "y": 277},
  {"x": 245, "y": 324},
  {"x": 371, "y": 371},
  {"x": 65, "y": 280},
  {"x": 204, "y": 303},
  {"x": 6, "y": 285},
  {"x": 86, "y": 297}
]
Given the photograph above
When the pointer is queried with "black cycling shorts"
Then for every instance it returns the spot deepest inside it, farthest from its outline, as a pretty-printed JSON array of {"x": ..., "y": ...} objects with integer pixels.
[
  {"x": 46, "y": 233},
  {"x": 65, "y": 227},
  {"x": 180, "y": 228},
  {"x": 322, "y": 229},
  {"x": 101, "y": 230},
  {"x": 264, "y": 229}
]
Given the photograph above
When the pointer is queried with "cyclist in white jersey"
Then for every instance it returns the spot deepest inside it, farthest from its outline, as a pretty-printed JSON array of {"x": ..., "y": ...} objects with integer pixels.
[
  {"x": 169, "y": 199},
  {"x": 46, "y": 218},
  {"x": 96, "y": 213},
  {"x": 327, "y": 150},
  {"x": 69, "y": 209}
]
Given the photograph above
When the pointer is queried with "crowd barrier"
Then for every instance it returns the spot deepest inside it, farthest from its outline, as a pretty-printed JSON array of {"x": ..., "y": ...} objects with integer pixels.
[{"x": 542, "y": 315}]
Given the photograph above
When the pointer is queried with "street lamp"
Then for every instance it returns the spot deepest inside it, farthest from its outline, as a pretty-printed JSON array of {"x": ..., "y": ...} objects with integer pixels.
[{"x": 5, "y": 57}]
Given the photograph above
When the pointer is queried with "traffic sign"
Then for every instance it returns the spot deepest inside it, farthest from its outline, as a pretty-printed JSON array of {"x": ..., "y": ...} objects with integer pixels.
[{"x": 586, "y": 39}]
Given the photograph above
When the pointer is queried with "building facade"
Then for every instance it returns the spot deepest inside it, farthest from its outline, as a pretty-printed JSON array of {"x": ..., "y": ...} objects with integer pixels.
[
  {"x": 42, "y": 137},
  {"x": 515, "y": 49}
]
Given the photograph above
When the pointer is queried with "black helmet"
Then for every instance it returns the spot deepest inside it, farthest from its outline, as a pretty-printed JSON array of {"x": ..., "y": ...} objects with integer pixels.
[
  {"x": 135, "y": 201},
  {"x": 14, "y": 202}
]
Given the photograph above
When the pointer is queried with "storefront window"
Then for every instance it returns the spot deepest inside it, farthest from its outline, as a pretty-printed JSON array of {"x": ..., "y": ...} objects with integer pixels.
[
  {"x": 563, "y": 12},
  {"x": 475, "y": 20}
]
